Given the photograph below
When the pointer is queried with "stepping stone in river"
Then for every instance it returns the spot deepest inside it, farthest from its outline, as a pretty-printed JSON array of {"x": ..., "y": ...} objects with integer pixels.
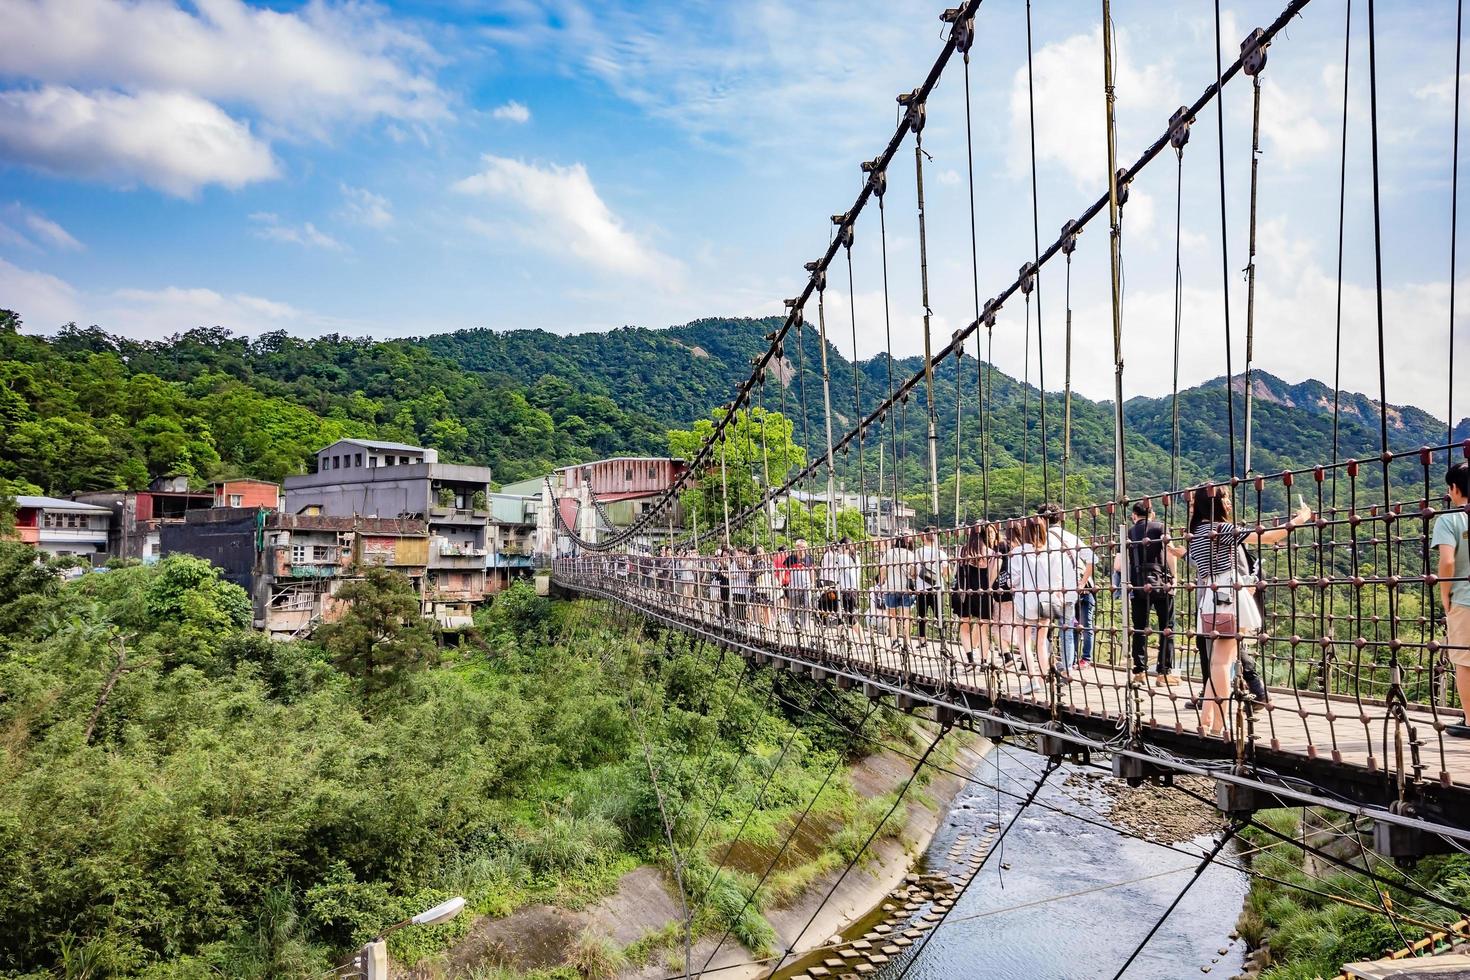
[
  {"x": 890, "y": 950},
  {"x": 902, "y": 941},
  {"x": 819, "y": 971},
  {"x": 866, "y": 968},
  {"x": 850, "y": 954},
  {"x": 862, "y": 944},
  {"x": 833, "y": 963},
  {"x": 882, "y": 929},
  {"x": 877, "y": 958}
]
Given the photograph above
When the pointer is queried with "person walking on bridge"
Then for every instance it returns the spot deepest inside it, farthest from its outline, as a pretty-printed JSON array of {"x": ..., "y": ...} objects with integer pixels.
[
  {"x": 1227, "y": 608},
  {"x": 1077, "y": 601},
  {"x": 1451, "y": 541},
  {"x": 931, "y": 573},
  {"x": 1152, "y": 557}
]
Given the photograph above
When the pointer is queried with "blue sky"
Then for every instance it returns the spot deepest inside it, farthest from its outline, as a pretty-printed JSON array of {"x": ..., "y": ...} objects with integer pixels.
[{"x": 393, "y": 169}]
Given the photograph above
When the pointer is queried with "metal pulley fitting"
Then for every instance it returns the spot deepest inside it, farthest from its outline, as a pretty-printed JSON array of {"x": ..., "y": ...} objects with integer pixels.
[
  {"x": 1122, "y": 178},
  {"x": 877, "y": 177},
  {"x": 963, "y": 32},
  {"x": 1179, "y": 124},
  {"x": 1028, "y": 278},
  {"x": 988, "y": 318},
  {"x": 1253, "y": 52},
  {"x": 844, "y": 229},
  {"x": 1069, "y": 237},
  {"x": 819, "y": 275},
  {"x": 914, "y": 118}
]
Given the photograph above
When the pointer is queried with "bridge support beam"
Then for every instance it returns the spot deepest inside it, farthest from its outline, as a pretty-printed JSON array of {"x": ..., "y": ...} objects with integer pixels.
[
  {"x": 872, "y": 691},
  {"x": 1051, "y": 746},
  {"x": 844, "y": 683},
  {"x": 1406, "y": 844},
  {"x": 1235, "y": 800},
  {"x": 906, "y": 703},
  {"x": 945, "y": 715},
  {"x": 993, "y": 730},
  {"x": 1136, "y": 771}
]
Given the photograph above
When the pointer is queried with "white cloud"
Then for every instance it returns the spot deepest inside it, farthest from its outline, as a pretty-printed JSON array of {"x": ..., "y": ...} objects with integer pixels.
[
  {"x": 299, "y": 70},
  {"x": 174, "y": 142},
  {"x": 561, "y": 210},
  {"x": 512, "y": 111},
  {"x": 270, "y": 227},
  {"x": 51, "y": 233},
  {"x": 43, "y": 232},
  {"x": 43, "y": 301},
  {"x": 363, "y": 207},
  {"x": 1070, "y": 127}
]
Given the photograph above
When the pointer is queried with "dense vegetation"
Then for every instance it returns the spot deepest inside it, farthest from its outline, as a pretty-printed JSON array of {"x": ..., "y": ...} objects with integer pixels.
[
  {"x": 1293, "y": 903},
  {"x": 180, "y": 797},
  {"x": 88, "y": 410}
]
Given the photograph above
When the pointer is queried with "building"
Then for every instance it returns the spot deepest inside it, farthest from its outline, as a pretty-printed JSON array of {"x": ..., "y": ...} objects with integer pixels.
[
  {"x": 605, "y": 496},
  {"x": 138, "y": 516},
  {"x": 294, "y": 565},
  {"x": 63, "y": 527},
  {"x": 882, "y": 517},
  {"x": 513, "y": 550},
  {"x": 389, "y": 480},
  {"x": 247, "y": 493}
]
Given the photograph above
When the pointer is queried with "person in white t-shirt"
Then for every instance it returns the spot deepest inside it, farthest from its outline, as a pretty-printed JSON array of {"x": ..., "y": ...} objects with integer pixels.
[
  {"x": 931, "y": 572},
  {"x": 895, "y": 574}
]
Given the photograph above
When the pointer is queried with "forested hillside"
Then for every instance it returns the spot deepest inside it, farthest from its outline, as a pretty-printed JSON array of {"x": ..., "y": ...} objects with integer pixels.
[{"x": 86, "y": 410}]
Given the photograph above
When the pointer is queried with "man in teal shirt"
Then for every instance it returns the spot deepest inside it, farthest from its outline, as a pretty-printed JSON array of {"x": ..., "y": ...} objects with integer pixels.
[{"x": 1452, "y": 541}]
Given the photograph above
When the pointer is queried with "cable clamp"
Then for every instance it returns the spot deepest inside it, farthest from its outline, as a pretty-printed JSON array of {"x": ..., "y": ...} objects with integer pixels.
[
  {"x": 1121, "y": 177},
  {"x": 963, "y": 32},
  {"x": 1179, "y": 124},
  {"x": 1253, "y": 52},
  {"x": 914, "y": 118},
  {"x": 1028, "y": 278},
  {"x": 1069, "y": 237},
  {"x": 987, "y": 319},
  {"x": 877, "y": 177},
  {"x": 844, "y": 229},
  {"x": 819, "y": 275}
]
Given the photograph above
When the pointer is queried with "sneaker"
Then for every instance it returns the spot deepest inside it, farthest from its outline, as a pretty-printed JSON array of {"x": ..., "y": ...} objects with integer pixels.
[
  {"x": 1458, "y": 731},
  {"x": 1170, "y": 680},
  {"x": 1084, "y": 663},
  {"x": 1140, "y": 678}
]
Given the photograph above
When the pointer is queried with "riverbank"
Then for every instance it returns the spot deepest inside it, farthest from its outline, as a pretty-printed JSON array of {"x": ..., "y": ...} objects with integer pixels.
[{"x": 637, "y": 930}]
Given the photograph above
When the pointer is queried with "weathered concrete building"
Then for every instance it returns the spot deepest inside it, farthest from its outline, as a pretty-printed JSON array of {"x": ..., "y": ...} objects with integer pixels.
[
  {"x": 63, "y": 527},
  {"x": 293, "y": 565},
  {"x": 138, "y": 516},
  {"x": 373, "y": 479}
]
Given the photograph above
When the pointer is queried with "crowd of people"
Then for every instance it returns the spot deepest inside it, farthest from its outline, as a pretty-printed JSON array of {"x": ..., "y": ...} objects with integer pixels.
[{"x": 1022, "y": 593}]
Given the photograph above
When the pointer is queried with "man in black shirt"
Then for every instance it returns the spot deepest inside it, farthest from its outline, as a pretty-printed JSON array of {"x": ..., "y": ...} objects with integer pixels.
[{"x": 1151, "y": 558}]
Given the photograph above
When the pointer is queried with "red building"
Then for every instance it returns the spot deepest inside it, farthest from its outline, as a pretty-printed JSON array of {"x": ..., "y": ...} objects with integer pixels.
[{"x": 625, "y": 487}]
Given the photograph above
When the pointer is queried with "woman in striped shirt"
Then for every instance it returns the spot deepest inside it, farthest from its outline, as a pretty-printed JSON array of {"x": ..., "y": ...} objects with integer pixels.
[{"x": 1226, "y": 609}]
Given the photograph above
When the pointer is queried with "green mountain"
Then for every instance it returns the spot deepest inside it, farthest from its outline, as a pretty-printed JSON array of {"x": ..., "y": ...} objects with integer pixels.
[{"x": 85, "y": 409}]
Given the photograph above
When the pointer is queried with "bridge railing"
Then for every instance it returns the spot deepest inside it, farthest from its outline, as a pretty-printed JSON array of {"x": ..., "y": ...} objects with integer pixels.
[{"x": 1349, "y": 645}]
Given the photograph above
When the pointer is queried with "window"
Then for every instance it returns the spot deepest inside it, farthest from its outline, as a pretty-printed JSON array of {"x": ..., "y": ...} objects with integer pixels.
[
  {"x": 652, "y": 473},
  {"x": 402, "y": 460},
  {"x": 321, "y": 552},
  {"x": 298, "y": 554},
  {"x": 237, "y": 500},
  {"x": 628, "y": 475},
  {"x": 372, "y": 462},
  {"x": 357, "y": 459}
]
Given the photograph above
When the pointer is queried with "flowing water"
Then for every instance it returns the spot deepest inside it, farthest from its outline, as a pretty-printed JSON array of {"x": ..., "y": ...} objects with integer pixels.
[{"x": 1057, "y": 898}]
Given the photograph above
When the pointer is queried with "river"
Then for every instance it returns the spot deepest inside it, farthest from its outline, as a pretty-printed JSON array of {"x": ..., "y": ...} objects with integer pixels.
[{"x": 1023, "y": 918}]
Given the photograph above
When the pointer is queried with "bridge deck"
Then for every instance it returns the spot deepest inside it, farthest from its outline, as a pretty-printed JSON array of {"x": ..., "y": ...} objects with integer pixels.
[{"x": 1350, "y": 747}]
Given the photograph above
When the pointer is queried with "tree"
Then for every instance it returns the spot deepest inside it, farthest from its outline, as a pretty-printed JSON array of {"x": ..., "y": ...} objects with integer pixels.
[
  {"x": 383, "y": 635},
  {"x": 758, "y": 444}
]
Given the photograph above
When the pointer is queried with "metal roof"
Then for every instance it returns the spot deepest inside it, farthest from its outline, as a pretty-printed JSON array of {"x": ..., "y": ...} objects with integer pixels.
[
  {"x": 375, "y": 444},
  {"x": 56, "y": 503}
]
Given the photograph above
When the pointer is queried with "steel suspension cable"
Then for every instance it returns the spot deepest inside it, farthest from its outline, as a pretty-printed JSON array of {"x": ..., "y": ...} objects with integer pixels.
[
  {"x": 1051, "y": 767},
  {"x": 888, "y": 340},
  {"x": 1224, "y": 251},
  {"x": 1068, "y": 249},
  {"x": 1454, "y": 217},
  {"x": 1253, "y": 69},
  {"x": 1347, "y": 61},
  {"x": 1174, "y": 478},
  {"x": 781, "y": 852},
  {"x": 857, "y": 389},
  {"x": 1036, "y": 260},
  {"x": 903, "y": 790},
  {"x": 1209, "y": 858},
  {"x": 827, "y": 408},
  {"x": 975, "y": 290},
  {"x": 916, "y": 121},
  {"x": 1115, "y": 255}
]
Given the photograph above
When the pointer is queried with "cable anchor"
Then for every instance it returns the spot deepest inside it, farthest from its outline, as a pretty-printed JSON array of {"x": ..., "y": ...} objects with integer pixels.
[
  {"x": 987, "y": 318},
  {"x": 1253, "y": 52},
  {"x": 844, "y": 229},
  {"x": 877, "y": 177},
  {"x": 1028, "y": 278},
  {"x": 963, "y": 32},
  {"x": 1070, "y": 232},
  {"x": 819, "y": 275},
  {"x": 1122, "y": 178},
  {"x": 1179, "y": 124},
  {"x": 914, "y": 118}
]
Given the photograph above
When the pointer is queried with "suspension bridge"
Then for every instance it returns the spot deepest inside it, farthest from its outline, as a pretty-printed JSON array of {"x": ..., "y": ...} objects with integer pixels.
[{"x": 1343, "y": 690}]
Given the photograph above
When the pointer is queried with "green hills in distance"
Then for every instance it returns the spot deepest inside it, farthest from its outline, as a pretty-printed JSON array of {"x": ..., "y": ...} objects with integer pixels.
[{"x": 84, "y": 409}]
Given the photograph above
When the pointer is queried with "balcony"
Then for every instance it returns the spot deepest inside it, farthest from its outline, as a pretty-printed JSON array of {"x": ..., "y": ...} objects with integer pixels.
[
  {"x": 457, "y": 515},
  {"x": 446, "y": 554}
]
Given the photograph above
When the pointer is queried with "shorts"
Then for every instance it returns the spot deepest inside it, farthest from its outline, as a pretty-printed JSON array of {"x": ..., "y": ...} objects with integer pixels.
[
  {"x": 971, "y": 604},
  {"x": 898, "y": 600},
  {"x": 1457, "y": 634}
]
